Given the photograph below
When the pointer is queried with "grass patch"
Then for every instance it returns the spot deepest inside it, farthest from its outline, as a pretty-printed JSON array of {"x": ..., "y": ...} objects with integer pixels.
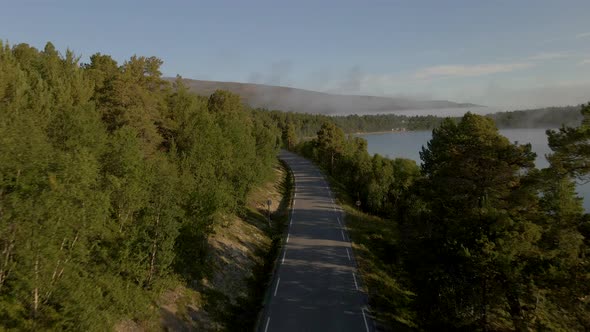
[{"x": 375, "y": 242}]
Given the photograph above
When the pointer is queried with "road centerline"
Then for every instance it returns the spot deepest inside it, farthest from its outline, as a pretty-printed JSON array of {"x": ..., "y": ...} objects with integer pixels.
[
  {"x": 277, "y": 286},
  {"x": 268, "y": 321},
  {"x": 365, "y": 319}
]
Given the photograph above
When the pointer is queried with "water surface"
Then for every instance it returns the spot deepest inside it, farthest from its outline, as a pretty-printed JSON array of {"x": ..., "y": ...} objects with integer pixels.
[{"x": 408, "y": 145}]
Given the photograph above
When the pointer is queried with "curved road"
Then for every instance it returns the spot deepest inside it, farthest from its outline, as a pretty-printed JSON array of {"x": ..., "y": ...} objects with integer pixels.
[{"x": 315, "y": 287}]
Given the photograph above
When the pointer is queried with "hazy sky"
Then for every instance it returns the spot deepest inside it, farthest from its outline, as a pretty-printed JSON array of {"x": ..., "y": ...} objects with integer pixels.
[{"x": 509, "y": 54}]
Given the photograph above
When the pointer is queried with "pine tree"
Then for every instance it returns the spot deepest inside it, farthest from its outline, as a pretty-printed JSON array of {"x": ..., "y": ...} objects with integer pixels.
[
  {"x": 475, "y": 237},
  {"x": 289, "y": 136},
  {"x": 330, "y": 142}
]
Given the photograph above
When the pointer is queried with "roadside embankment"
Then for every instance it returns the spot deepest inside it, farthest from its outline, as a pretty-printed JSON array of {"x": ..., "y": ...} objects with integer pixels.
[{"x": 241, "y": 255}]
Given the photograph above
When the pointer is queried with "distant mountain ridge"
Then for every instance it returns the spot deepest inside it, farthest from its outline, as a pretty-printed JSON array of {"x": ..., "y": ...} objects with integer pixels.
[{"x": 306, "y": 101}]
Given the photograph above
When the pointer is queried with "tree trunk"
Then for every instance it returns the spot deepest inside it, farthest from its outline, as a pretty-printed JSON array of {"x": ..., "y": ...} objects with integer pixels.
[
  {"x": 516, "y": 311},
  {"x": 7, "y": 252},
  {"x": 154, "y": 249},
  {"x": 36, "y": 290},
  {"x": 484, "y": 305},
  {"x": 332, "y": 163}
]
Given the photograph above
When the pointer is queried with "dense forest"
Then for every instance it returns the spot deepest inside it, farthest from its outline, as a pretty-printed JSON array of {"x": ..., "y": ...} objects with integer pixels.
[
  {"x": 307, "y": 125},
  {"x": 549, "y": 117},
  {"x": 110, "y": 181},
  {"x": 486, "y": 241}
]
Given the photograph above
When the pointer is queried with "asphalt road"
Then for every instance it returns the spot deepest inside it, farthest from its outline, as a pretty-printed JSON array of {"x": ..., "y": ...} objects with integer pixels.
[{"x": 316, "y": 286}]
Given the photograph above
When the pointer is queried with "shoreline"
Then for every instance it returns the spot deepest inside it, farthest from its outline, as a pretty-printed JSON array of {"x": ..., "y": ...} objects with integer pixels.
[
  {"x": 413, "y": 130},
  {"x": 358, "y": 133},
  {"x": 379, "y": 132}
]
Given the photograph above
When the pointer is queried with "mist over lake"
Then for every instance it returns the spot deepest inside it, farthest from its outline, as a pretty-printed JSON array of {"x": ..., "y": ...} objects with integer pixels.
[
  {"x": 408, "y": 145},
  {"x": 445, "y": 112}
]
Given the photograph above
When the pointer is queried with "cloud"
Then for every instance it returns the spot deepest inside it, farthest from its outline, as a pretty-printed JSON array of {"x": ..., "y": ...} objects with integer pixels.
[
  {"x": 583, "y": 35},
  {"x": 489, "y": 68},
  {"x": 469, "y": 70},
  {"x": 585, "y": 62},
  {"x": 549, "y": 56},
  {"x": 553, "y": 94}
]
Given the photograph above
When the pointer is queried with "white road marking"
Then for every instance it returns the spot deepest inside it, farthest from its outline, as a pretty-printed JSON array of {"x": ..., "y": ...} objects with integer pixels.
[
  {"x": 338, "y": 221},
  {"x": 268, "y": 321},
  {"x": 288, "y": 234},
  {"x": 364, "y": 318},
  {"x": 277, "y": 287},
  {"x": 353, "y": 277},
  {"x": 347, "y": 254},
  {"x": 285, "y": 253},
  {"x": 292, "y": 212},
  {"x": 342, "y": 232}
]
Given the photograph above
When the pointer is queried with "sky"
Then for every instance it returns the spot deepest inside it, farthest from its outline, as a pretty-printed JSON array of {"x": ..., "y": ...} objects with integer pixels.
[{"x": 506, "y": 54}]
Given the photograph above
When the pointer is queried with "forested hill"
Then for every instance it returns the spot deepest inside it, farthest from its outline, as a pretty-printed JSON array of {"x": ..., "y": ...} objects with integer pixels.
[
  {"x": 305, "y": 101},
  {"x": 307, "y": 125}
]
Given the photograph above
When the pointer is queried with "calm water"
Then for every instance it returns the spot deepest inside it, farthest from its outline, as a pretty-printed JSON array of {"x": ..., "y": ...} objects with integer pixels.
[{"x": 409, "y": 144}]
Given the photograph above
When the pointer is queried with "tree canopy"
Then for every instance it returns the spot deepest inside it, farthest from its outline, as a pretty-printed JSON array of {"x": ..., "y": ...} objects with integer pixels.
[{"x": 110, "y": 181}]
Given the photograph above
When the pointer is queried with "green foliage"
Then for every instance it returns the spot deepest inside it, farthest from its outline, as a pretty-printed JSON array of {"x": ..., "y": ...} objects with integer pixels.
[
  {"x": 571, "y": 148},
  {"x": 110, "y": 181},
  {"x": 289, "y": 136},
  {"x": 377, "y": 182},
  {"x": 474, "y": 233},
  {"x": 550, "y": 117},
  {"x": 330, "y": 142},
  {"x": 492, "y": 242}
]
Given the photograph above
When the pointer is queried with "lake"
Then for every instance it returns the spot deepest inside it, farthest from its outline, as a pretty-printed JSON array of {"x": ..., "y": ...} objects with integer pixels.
[{"x": 408, "y": 145}]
